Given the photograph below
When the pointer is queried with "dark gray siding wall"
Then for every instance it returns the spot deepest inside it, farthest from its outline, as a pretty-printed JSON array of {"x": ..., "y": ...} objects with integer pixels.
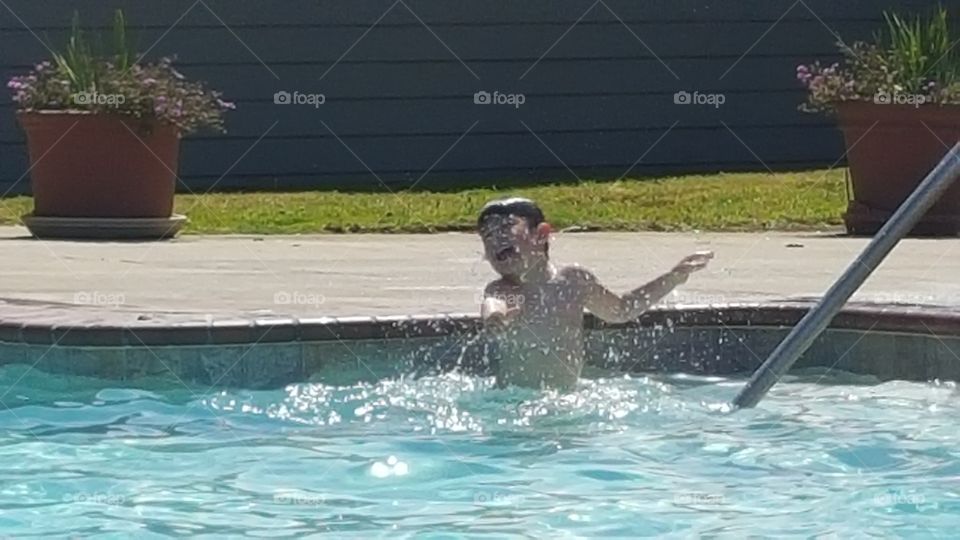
[{"x": 399, "y": 78}]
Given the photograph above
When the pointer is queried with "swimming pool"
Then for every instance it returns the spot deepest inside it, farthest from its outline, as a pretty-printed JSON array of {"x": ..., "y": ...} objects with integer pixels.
[
  {"x": 390, "y": 427},
  {"x": 444, "y": 455}
]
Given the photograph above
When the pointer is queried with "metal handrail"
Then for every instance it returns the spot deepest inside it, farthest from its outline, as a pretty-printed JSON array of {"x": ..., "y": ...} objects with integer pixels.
[{"x": 818, "y": 318}]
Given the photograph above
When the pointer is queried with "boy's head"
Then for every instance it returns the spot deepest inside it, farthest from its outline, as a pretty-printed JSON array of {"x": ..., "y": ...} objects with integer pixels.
[{"x": 515, "y": 235}]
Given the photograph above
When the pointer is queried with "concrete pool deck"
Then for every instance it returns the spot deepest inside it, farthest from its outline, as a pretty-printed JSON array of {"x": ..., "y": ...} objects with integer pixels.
[{"x": 196, "y": 278}]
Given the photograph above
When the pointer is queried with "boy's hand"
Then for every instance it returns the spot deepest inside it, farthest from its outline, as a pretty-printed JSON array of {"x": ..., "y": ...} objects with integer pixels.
[
  {"x": 499, "y": 320},
  {"x": 692, "y": 263}
]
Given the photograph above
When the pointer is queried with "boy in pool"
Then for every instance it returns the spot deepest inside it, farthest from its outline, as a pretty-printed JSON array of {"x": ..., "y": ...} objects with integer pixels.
[{"x": 534, "y": 312}]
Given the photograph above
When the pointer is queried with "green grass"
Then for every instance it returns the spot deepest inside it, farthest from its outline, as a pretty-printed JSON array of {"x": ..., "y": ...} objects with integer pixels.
[{"x": 719, "y": 202}]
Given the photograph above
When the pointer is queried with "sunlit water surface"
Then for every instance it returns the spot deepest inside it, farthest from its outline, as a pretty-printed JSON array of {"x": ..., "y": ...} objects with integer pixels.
[{"x": 452, "y": 456}]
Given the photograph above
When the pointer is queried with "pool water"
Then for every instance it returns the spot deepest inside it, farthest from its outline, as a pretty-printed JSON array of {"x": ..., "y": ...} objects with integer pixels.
[{"x": 449, "y": 456}]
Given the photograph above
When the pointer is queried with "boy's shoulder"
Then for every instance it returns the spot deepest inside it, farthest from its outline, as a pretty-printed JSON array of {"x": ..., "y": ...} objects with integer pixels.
[
  {"x": 576, "y": 274},
  {"x": 498, "y": 284}
]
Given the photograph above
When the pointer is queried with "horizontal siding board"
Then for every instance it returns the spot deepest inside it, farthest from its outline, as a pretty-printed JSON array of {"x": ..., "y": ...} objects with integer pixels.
[
  {"x": 608, "y": 39},
  {"x": 52, "y": 13},
  {"x": 417, "y": 155},
  {"x": 412, "y": 157}
]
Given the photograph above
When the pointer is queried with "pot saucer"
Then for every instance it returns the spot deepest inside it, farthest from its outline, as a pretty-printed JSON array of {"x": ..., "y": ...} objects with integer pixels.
[{"x": 85, "y": 228}]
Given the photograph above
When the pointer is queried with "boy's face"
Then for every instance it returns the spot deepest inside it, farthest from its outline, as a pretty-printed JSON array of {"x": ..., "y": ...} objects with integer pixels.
[{"x": 510, "y": 245}]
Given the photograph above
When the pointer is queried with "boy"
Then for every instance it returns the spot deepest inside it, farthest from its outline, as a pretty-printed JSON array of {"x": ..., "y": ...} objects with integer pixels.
[{"x": 534, "y": 312}]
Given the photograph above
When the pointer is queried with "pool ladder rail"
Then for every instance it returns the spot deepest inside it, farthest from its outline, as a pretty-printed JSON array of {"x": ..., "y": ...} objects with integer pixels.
[{"x": 818, "y": 318}]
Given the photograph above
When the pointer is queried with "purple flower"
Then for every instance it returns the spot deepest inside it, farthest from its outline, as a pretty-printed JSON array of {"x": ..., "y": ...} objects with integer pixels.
[{"x": 187, "y": 105}]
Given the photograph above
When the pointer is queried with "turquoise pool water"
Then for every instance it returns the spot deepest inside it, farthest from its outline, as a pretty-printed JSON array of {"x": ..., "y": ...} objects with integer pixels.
[{"x": 449, "y": 456}]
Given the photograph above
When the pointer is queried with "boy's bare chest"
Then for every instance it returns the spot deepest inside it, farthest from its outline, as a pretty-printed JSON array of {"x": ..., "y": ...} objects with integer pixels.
[{"x": 546, "y": 300}]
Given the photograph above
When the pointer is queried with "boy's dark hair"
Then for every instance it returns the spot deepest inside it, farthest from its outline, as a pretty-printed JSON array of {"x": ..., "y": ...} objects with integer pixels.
[{"x": 515, "y": 206}]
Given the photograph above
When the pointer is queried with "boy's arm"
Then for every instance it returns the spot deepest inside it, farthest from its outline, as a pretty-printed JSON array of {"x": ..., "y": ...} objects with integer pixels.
[{"x": 612, "y": 307}]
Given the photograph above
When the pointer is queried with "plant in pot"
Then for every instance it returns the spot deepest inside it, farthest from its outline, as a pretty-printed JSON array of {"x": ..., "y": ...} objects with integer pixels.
[
  {"x": 897, "y": 102},
  {"x": 103, "y": 136}
]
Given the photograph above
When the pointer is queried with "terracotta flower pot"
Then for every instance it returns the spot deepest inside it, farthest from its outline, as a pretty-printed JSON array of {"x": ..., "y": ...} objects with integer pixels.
[
  {"x": 890, "y": 149},
  {"x": 85, "y": 165}
]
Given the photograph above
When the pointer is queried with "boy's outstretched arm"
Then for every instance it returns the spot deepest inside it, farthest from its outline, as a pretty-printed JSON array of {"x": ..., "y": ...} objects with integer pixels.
[{"x": 612, "y": 307}]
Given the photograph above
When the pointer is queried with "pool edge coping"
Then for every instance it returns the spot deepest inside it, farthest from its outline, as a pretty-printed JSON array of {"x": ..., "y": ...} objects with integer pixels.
[{"x": 918, "y": 319}]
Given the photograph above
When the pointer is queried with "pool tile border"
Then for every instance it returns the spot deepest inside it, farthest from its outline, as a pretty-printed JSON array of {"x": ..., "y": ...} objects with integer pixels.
[{"x": 936, "y": 320}]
